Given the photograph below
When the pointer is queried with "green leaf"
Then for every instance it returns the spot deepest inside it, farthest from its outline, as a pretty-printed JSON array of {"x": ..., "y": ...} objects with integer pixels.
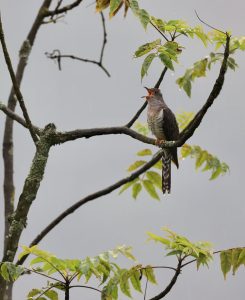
[
  {"x": 158, "y": 238},
  {"x": 137, "y": 187},
  {"x": 150, "y": 189},
  {"x": 137, "y": 164},
  {"x": 235, "y": 259},
  {"x": 135, "y": 280},
  {"x": 166, "y": 61},
  {"x": 146, "y": 64},
  {"x": 155, "y": 178},
  {"x": 241, "y": 258},
  {"x": 134, "y": 7},
  {"x": 51, "y": 294},
  {"x": 127, "y": 185},
  {"x": 114, "y": 4},
  {"x": 158, "y": 165},
  {"x": 184, "y": 119},
  {"x": 124, "y": 284},
  {"x": 149, "y": 273},
  {"x": 34, "y": 292},
  {"x": 225, "y": 261},
  {"x": 144, "y": 152},
  {"x": 144, "y": 49},
  {"x": 144, "y": 18}
]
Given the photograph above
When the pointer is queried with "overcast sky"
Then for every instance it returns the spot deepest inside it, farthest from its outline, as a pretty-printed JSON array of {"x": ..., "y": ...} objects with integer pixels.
[{"x": 81, "y": 96}]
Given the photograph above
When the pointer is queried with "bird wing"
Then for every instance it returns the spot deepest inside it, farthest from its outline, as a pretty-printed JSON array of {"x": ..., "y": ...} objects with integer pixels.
[{"x": 171, "y": 131}]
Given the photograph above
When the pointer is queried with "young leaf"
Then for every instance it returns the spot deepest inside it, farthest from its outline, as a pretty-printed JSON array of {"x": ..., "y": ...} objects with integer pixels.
[
  {"x": 134, "y": 6},
  {"x": 149, "y": 273},
  {"x": 166, "y": 61},
  {"x": 225, "y": 261},
  {"x": 155, "y": 178},
  {"x": 150, "y": 189},
  {"x": 127, "y": 185},
  {"x": 114, "y": 5},
  {"x": 135, "y": 280},
  {"x": 144, "y": 18},
  {"x": 144, "y": 49},
  {"x": 146, "y": 64},
  {"x": 144, "y": 152},
  {"x": 136, "y": 165},
  {"x": 136, "y": 189}
]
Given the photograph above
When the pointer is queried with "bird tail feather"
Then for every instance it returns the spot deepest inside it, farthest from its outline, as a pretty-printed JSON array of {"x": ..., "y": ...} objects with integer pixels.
[{"x": 166, "y": 173}]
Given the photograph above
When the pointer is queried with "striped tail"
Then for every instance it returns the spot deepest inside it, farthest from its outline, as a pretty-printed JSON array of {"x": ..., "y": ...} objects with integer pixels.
[{"x": 166, "y": 173}]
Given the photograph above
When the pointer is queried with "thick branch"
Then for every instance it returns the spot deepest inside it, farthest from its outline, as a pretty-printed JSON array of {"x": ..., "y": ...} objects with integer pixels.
[
  {"x": 29, "y": 192},
  {"x": 171, "y": 284},
  {"x": 15, "y": 84},
  {"x": 9, "y": 189},
  {"x": 62, "y": 137},
  {"x": 92, "y": 197}
]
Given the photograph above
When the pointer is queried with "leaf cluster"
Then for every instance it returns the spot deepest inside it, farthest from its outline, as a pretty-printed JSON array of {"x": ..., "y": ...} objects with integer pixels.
[
  {"x": 232, "y": 259},
  {"x": 206, "y": 160},
  {"x": 181, "y": 247}
]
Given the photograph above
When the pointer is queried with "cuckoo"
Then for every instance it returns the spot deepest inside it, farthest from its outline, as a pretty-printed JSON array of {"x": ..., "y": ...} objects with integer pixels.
[{"x": 163, "y": 125}]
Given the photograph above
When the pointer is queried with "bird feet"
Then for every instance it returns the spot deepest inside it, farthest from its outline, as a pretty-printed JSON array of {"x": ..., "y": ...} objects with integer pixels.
[{"x": 159, "y": 142}]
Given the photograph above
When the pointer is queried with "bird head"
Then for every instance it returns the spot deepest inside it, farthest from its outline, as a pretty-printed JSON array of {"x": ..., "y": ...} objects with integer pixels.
[{"x": 153, "y": 94}]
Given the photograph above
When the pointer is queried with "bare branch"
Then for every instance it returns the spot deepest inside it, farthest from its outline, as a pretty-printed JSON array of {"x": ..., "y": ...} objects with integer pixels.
[
  {"x": 63, "y": 9},
  {"x": 17, "y": 118},
  {"x": 62, "y": 137},
  {"x": 208, "y": 24},
  {"x": 86, "y": 287},
  {"x": 15, "y": 84},
  {"x": 56, "y": 54},
  {"x": 92, "y": 197},
  {"x": 171, "y": 284}
]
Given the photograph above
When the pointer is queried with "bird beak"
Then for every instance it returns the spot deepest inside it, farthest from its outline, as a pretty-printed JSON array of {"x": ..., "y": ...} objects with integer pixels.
[{"x": 149, "y": 93}]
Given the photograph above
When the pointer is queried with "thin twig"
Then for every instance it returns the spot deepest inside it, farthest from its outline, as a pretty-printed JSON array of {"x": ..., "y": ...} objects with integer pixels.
[
  {"x": 58, "y": 57},
  {"x": 56, "y": 54},
  {"x": 15, "y": 84},
  {"x": 104, "y": 37},
  {"x": 162, "y": 34},
  {"x": 44, "y": 275},
  {"x": 208, "y": 24},
  {"x": 17, "y": 118},
  {"x": 146, "y": 285},
  {"x": 63, "y": 9},
  {"x": 86, "y": 287}
]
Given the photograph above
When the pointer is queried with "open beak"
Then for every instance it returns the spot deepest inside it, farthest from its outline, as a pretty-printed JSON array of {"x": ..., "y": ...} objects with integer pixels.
[{"x": 149, "y": 93}]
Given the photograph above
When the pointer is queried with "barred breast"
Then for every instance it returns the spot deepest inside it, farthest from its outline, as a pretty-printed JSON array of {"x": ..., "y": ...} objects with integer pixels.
[{"x": 155, "y": 123}]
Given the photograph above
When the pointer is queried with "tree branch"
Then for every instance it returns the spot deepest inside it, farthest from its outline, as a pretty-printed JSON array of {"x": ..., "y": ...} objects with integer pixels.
[
  {"x": 15, "y": 84},
  {"x": 92, "y": 197},
  {"x": 86, "y": 287},
  {"x": 171, "y": 284},
  {"x": 56, "y": 54},
  {"x": 9, "y": 189},
  {"x": 29, "y": 192},
  {"x": 184, "y": 135},
  {"x": 62, "y": 10},
  {"x": 17, "y": 118}
]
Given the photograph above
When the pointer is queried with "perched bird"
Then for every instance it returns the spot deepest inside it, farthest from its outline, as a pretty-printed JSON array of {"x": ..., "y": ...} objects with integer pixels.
[{"x": 163, "y": 125}]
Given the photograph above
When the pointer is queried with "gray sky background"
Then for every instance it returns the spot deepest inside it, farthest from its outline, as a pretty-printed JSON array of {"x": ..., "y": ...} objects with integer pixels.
[{"x": 81, "y": 96}]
